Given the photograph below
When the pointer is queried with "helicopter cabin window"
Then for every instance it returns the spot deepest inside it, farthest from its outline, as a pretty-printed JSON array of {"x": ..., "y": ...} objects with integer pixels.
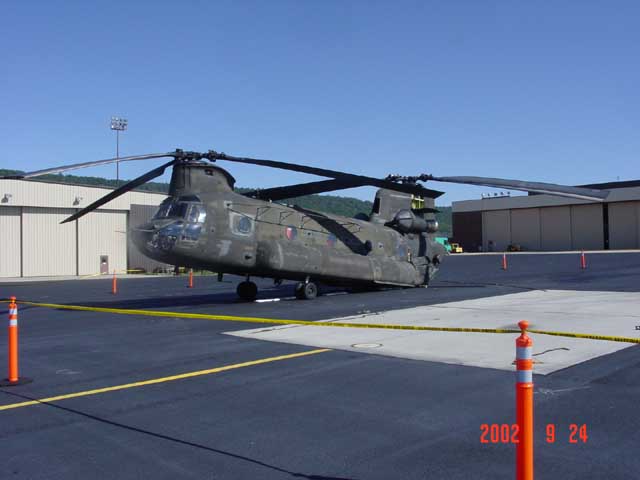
[{"x": 241, "y": 224}]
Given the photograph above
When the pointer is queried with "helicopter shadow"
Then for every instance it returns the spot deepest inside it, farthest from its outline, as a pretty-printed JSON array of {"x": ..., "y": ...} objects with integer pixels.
[{"x": 213, "y": 299}]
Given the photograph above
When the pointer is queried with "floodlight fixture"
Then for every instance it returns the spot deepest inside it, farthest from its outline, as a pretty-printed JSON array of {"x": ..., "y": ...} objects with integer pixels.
[{"x": 119, "y": 124}]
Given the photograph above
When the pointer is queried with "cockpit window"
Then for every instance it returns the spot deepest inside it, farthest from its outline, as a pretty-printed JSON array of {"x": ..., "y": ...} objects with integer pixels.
[
  {"x": 197, "y": 214},
  {"x": 172, "y": 210}
]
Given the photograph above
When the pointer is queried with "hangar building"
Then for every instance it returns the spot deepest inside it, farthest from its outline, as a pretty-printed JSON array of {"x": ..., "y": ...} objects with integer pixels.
[
  {"x": 33, "y": 243},
  {"x": 547, "y": 222}
]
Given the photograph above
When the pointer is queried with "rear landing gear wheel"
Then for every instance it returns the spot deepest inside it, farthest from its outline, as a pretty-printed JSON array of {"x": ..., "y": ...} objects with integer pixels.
[
  {"x": 306, "y": 291},
  {"x": 247, "y": 291}
]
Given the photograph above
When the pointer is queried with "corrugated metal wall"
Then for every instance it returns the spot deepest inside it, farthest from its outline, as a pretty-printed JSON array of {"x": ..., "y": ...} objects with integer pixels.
[
  {"x": 48, "y": 248},
  {"x": 555, "y": 228},
  {"x": 624, "y": 225},
  {"x": 102, "y": 233},
  {"x": 561, "y": 228},
  {"x": 496, "y": 228},
  {"x": 33, "y": 243},
  {"x": 10, "y": 241},
  {"x": 587, "y": 227},
  {"x": 525, "y": 228}
]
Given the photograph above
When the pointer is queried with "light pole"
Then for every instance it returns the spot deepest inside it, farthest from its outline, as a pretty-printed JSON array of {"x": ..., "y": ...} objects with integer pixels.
[{"x": 119, "y": 125}]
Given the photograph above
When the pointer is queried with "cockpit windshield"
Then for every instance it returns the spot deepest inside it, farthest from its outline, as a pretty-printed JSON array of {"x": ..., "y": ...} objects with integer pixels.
[
  {"x": 172, "y": 210},
  {"x": 191, "y": 212}
]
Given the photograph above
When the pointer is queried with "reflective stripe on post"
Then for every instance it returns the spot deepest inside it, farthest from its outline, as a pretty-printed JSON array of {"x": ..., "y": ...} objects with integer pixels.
[
  {"x": 524, "y": 403},
  {"x": 13, "y": 341}
]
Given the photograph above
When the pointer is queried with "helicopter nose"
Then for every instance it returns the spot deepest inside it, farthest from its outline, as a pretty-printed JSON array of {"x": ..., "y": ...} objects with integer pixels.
[
  {"x": 157, "y": 240},
  {"x": 141, "y": 236}
]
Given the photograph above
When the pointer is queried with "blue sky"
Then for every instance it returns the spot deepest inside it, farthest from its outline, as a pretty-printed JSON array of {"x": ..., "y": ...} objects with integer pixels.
[{"x": 544, "y": 91}]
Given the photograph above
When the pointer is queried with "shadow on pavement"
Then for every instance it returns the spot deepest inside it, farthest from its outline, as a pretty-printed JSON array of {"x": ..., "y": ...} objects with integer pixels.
[{"x": 178, "y": 440}]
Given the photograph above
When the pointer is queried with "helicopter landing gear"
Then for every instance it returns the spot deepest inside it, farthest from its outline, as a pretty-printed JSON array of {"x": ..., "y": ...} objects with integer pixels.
[
  {"x": 247, "y": 291},
  {"x": 306, "y": 291}
]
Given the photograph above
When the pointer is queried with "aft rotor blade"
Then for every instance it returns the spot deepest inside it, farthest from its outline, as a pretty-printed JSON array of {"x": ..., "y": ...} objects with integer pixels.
[
  {"x": 75, "y": 166},
  {"x": 323, "y": 172},
  {"x": 537, "y": 187},
  {"x": 156, "y": 172}
]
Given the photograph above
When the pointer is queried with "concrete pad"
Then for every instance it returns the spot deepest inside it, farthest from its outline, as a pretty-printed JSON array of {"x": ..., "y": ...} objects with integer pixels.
[{"x": 604, "y": 313}]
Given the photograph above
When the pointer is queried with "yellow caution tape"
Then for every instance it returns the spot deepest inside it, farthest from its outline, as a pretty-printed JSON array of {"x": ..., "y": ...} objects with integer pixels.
[
  {"x": 591, "y": 336},
  {"x": 275, "y": 321},
  {"x": 271, "y": 321}
]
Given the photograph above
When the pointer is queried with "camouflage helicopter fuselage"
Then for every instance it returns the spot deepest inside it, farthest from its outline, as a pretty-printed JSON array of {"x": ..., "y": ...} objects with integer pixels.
[{"x": 205, "y": 224}]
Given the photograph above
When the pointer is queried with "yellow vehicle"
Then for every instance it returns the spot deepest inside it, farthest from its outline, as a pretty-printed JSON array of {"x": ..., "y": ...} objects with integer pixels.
[{"x": 456, "y": 248}]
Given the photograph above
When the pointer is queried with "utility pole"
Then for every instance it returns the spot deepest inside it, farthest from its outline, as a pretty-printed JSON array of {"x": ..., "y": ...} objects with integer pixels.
[{"x": 119, "y": 125}]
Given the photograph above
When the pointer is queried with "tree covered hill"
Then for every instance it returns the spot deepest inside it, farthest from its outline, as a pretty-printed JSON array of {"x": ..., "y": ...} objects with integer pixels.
[{"x": 338, "y": 205}]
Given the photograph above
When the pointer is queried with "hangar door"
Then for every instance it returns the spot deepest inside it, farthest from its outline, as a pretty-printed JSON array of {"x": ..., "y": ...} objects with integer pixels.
[
  {"x": 496, "y": 230},
  {"x": 102, "y": 233},
  {"x": 623, "y": 224},
  {"x": 9, "y": 241},
  {"x": 587, "y": 227},
  {"x": 525, "y": 228},
  {"x": 555, "y": 228},
  {"x": 48, "y": 248}
]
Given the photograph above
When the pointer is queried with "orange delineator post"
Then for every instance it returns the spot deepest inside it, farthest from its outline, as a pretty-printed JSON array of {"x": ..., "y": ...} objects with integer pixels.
[
  {"x": 13, "y": 341},
  {"x": 114, "y": 284},
  {"x": 524, "y": 404},
  {"x": 583, "y": 261},
  {"x": 191, "y": 278},
  {"x": 504, "y": 261}
]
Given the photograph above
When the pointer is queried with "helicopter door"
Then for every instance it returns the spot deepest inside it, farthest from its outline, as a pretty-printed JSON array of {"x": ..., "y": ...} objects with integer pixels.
[{"x": 243, "y": 230}]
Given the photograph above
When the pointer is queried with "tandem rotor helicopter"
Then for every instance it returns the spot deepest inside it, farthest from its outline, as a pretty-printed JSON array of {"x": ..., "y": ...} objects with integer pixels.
[{"x": 205, "y": 224}]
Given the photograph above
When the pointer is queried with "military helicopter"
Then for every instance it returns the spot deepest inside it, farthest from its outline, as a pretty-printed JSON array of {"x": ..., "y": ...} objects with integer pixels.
[{"x": 205, "y": 224}]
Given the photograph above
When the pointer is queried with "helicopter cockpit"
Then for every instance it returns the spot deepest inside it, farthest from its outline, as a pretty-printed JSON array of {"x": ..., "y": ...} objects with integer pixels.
[
  {"x": 187, "y": 208},
  {"x": 178, "y": 221}
]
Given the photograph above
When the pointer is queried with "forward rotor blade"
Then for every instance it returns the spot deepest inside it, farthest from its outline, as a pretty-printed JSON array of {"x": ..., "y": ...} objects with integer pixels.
[
  {"x": 76, "y": 166},
  {"x": 537, "y": 187},
  {"x": 156, "y": 172},
  {"x": 303, "y": 189},
  {"x": 323, "y": 172}
]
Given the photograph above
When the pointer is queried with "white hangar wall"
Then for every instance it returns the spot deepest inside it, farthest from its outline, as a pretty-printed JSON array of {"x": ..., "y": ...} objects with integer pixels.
[
  {"x": 10, "y": 241},
  {"x": 548, "y": 223},
  {"x": 33, "y": 243},
  {"x": 48, "y": 248},
  {"x": 101, "y": 234}
]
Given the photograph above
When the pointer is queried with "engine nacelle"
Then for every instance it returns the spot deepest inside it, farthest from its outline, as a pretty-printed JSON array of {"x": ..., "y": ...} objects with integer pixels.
[{"x": 406, "y": 221}]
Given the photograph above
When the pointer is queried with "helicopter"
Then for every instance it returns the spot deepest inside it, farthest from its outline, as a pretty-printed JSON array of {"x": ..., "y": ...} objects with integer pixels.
[{"x": 204, "y": 223}]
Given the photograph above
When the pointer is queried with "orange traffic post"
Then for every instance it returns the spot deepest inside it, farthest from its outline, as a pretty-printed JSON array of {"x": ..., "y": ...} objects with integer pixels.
[
  {"x": 504, "y": 261},
  {"x": 191, "y": 278},
  {"x": 114, "y": 284},
  {"x": 524, "y": 404},
  {"x": 583, "y": 261},
  {"x": 14, "y": 377}
]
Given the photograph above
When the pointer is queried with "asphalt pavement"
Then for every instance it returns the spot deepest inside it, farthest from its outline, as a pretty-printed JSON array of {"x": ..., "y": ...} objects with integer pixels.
[{"x": 325, "y": 415}]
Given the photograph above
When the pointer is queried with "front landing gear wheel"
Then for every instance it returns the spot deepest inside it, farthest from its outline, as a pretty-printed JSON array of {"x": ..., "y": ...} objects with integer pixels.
[
  {"x": 306, "y": 291},
  {"x": 247, "y": 291}
]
